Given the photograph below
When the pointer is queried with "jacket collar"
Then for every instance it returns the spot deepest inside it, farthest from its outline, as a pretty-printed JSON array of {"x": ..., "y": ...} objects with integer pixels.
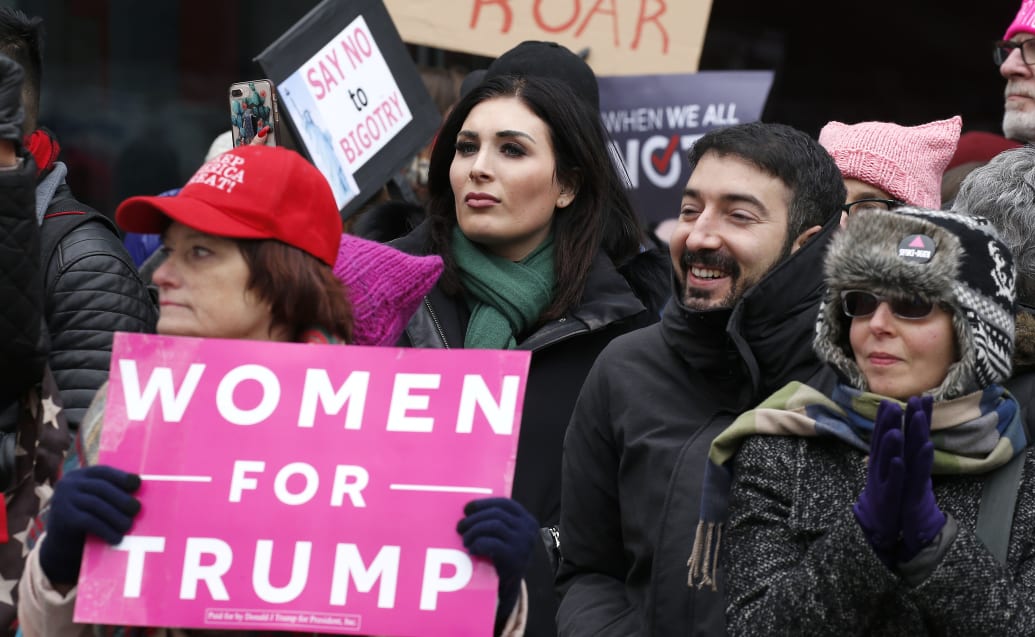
[
  {"x": 767, "y": 334},
  {"x": 607, "y": 299}
]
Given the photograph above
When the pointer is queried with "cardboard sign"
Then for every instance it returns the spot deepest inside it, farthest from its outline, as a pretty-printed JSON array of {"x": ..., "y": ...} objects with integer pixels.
[
  {"x": 624, "y": 37},
  {"x": 303, "y": 487},
  {"x": 353, "y": 96},
  {"x": 654, "y": 120}
]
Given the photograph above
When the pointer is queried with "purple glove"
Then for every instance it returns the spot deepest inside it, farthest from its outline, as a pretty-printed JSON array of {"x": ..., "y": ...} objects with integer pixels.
[
  {"x": 880, "y": 502},
  {"x": 922, "y": 520}
]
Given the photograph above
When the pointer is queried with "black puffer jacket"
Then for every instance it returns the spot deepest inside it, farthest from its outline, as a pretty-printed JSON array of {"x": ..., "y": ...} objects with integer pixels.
[
  {"x": 635, "y": 450},
  {"x": 563, "y": 351},
  {"x": 92, "y": 291},
  {"x": 23, "y": 349}
]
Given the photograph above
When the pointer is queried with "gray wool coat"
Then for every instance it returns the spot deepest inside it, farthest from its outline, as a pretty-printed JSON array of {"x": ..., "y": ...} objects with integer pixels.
[{"x": 798, "y": 564}]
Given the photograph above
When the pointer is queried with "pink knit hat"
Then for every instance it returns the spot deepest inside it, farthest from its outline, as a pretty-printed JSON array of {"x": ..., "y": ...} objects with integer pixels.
[
  {"x": 1024, "y": 22},
  {"x": 385, "y": 287},
  {"x": 907, "y": 162}
]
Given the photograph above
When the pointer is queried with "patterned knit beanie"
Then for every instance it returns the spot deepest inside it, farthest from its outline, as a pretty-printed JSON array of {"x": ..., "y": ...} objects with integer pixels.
[
  {"x": 384, "y": 285},
  {"x": 1024, "y": 21},
  {"x": 906, "y": 162},
  {"x": 946, "y": 257}
]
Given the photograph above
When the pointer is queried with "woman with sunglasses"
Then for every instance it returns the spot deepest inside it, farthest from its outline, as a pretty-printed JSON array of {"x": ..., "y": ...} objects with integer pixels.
[{"x": 839, "y": 512}]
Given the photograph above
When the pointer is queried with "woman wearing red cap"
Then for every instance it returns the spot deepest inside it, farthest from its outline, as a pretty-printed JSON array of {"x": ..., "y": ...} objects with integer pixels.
[{"x": 250, "y": 243}]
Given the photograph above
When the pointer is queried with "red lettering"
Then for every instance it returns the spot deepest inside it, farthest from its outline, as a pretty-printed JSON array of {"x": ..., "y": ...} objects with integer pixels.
[
  {"x": 328, "y": 79},
  {"x": 596, "y": 9},
  {"x": 373, "y": 130},
  {"x": 538, "y": 16},
  {"x": 333, "y": 58},
  {"x": 356, "y": 48},
  {"x": 362, "y": 39},
  {"x": 310, "y": 77},
  {"x": 346, "y": 147},
  {"x": 643, "y": 19},
  {"x": 508, "y": 15}
]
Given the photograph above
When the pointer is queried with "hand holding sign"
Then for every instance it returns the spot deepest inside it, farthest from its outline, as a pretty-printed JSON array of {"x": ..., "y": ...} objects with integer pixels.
[
  {"x": 94, "y": 500},
  {"x": 355, "y": 445},
  {"x": 503, "y": 531}
]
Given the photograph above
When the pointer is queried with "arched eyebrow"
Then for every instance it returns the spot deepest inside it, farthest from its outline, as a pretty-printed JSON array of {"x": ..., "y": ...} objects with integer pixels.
[{"x": 467, "y": 134}]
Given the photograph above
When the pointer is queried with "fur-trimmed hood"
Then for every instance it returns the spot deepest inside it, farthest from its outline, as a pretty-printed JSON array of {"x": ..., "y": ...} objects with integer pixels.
[{"x": 949, "y": 258}]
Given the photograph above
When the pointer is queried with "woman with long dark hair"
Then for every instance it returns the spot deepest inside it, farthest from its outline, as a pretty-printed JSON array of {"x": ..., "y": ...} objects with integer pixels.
[{"x": 521, "y": 188}]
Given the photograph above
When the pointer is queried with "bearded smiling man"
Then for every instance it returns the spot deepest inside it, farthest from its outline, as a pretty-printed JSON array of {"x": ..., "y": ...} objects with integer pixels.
[
  {"x": 1015, "y": 55},
  {"x": 733, "y": 228},
  {"x": 760, "y": 205}
]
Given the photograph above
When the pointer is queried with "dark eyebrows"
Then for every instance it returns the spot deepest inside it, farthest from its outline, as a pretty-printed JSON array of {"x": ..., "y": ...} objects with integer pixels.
[
  {"x": 515, "y": 133},
  {"x": 468, "y": 134},
  {"x": 732, "y": 198}
]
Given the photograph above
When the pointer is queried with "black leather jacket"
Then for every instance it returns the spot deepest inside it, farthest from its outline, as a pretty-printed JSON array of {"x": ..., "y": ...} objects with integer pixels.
[{"x": 92, "y": 291}]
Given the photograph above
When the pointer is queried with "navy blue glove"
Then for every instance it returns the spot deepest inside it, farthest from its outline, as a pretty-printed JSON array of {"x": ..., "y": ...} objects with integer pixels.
[
  {"x": 503, "y": 531},
  {"x": 922, "y": 520},
  {"x": 879, "y": 505},
  {"x": 94, "y": 500}
]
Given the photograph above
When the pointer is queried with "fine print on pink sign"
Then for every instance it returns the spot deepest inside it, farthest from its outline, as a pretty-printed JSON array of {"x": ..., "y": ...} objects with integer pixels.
[{"x": 310, "y": 488}]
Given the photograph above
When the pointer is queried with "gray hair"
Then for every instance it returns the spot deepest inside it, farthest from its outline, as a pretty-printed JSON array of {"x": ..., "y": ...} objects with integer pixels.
[{"x": 1003, "y": 191}]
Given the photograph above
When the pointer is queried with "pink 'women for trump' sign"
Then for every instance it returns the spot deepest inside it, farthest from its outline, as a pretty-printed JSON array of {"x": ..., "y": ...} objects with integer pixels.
[{"x": 312, "y": 488}]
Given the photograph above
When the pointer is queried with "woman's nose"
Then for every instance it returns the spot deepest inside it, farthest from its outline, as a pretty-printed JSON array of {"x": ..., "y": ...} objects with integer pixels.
[
  {"x": 882, "y": 319},
  {"x": 165, "y": 274},
  {"x": 480, "y": 168}
]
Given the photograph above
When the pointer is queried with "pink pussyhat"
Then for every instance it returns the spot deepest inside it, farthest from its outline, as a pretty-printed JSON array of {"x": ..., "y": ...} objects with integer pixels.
[
  {"x": 1024, "y": 22},
  {"x": 906, "y": 162},
  {"x": 385, "y": 286}
]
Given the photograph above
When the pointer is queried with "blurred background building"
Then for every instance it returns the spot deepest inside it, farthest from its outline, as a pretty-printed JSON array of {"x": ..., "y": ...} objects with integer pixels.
[{"x": 136, "y": 90}]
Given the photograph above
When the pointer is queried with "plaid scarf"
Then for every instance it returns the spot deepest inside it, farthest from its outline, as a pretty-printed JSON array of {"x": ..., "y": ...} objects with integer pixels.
[{"x": 972, "y": 434}]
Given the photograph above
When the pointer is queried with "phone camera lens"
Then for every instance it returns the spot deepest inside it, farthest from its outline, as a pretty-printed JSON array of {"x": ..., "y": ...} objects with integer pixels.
[{"x": 237, "y": 92}]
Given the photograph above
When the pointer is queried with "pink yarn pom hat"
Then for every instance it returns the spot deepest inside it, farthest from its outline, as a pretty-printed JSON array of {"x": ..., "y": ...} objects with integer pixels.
[
  {"x": 906, "y": 162},
  {"x": 1024, "y": 22},
  {"x": 384, "y": 285}
]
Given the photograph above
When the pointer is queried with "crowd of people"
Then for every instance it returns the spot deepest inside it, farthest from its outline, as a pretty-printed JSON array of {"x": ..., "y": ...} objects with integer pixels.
[{"x": 811, "y": 417}]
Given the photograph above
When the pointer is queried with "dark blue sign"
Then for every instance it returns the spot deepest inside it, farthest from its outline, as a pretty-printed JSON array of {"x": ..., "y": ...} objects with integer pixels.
[{"x": 655, "y": 119}]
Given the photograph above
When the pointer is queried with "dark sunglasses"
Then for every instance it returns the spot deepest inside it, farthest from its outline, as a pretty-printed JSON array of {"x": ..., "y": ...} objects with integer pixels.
[{"x": 860, "y": 303}]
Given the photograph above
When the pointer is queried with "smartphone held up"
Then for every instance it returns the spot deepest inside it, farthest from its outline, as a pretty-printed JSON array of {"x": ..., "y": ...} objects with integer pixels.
[{"x": 253, "y": 113}]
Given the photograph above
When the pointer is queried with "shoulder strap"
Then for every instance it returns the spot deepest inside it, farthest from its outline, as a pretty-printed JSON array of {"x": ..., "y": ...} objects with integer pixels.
[
  {"x": 998, "y": 501},
  {"x": 999, "y": 492}
]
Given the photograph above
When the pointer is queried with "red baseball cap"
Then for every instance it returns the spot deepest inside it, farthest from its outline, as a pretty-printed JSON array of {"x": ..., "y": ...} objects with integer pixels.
[{"x": 249, "y": 192}]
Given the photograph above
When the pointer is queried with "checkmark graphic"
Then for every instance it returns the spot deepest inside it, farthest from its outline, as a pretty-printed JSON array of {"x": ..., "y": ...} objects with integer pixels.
[{"x": 661, "y": 163}]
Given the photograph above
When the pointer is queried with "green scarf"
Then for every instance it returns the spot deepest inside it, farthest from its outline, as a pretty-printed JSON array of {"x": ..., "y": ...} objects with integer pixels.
[
  {"x": 506, "y": 298},
  {"x": 973, "y": 434}
]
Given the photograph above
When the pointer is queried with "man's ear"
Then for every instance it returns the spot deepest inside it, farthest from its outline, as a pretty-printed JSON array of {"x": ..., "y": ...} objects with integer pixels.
[{"x": 803, "y": 237}]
